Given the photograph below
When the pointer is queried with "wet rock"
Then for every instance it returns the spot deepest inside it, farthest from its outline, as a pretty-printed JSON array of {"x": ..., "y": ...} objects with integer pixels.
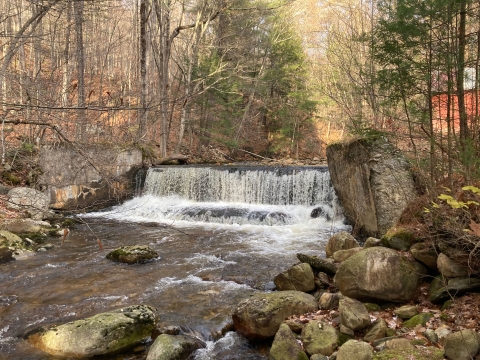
[
  {"x": 260, "y": 316},
  {"x": 173, "y": 347},
  {"x": 420, "y": 319},
  {"x": 449, "y": 268},
  {"x": 428, "y": 353},
  {"x": 371, "y": 242},
  {"x": 133, "y": 254},
  {"x": 340, "y": 241},
  {"x": 319, "y": 338},
  {"x": 34, "y": 202},
  {"x": 462, "y": 345},
  {"x": 353, "y": 314},
  {"x": 406, "y": 311},
  {"x": 342, "y": 255},
  {"x": 285, "y": 346},
  {"x": 321, "y": 212},
  {"x": 6, "y": 255},
  {"x": 354, "y": 349},
  {"x": 329, "y": 301},
  {"x": 378, "y": 274},
  {"x": 398, "y": 239},
  {"x": 318, "y": 264},
  {"x": 101, "y": 334},
  {"x": 443, "y": 289},
  {"x": 378, "y": 330},
  {"x": 299, "y": 277},
  {"x": 426, "y": 254}
]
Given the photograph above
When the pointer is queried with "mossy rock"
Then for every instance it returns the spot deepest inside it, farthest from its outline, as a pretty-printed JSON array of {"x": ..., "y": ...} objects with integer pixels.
[
  {"x": 11, "y": 240},
  {"x": 132, "y": 254},
  {"x": 429, "y": 353},
  {"x": 398, "y": 239},
  {"x": 372, "y": 307},
  {"x": 173, "y": 347},
  {"x": 420, "y": 319}
]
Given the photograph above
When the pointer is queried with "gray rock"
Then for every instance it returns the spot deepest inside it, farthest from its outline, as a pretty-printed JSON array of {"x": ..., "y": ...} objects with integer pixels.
[
  {"x": 378, "y": 330},
  {"x": 400, "y": 343},
  {"x": 443, "y": 289},
  {"x": 462, "y": 345},
  {"x": 101, "y": 334},
  {"x": 132, "y": 254},
  {"x": 426, "y": 254},
  {"x": 318, "y": 264},
  {"x": 431, "y": 335},
  {"x": 260, "y": 316},
  {"x": 354, "y": 349},
  {"x": 285, "y": 346},
  {"x": 319, "y": 338},
  {"x": 329, "y": 301},
  {"x": 353, "y": 314},
  {"x": 373, "y": 182},
  {"x": 342, "y": 255},
  {"x": 378, "y": 273},
  {"x": 299, "y": 277},
  {"x": 371, "y": 242},
  {"x": 347, "y": 331},
  {"x": 34, "y": 202},
  {"x": 25, "y": 225},
  {"x": 442, "y": 332},
  {"x": 406, "y": 311},
  {"x": 449, "y": 268},
  {"x": 173, "y": 347},
  {"x": 340, "y": 241}
]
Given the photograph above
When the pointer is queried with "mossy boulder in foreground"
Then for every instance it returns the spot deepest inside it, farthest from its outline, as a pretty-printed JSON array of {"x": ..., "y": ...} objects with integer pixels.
[
  {"x": 101, "y": 334},
  {"x": 259, "y": 317},
  {"x": 132, "y": 254},
  {"x": 173, "y": 347}
]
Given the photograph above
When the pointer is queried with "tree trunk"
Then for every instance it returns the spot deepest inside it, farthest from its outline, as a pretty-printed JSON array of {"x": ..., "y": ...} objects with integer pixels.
[{"x": 80, "y": 57}]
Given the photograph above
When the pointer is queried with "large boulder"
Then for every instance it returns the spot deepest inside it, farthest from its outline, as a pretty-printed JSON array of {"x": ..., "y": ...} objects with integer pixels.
[
  {"x": 173, "y": 347},
  {"x": 285, "y": 346},
  {"x": 340, "y": 241},
  {"x": 260, "y": 316},
  {"x": 379, "y": 273},
  {"x": 102, "y": 334},
  {"x": 462, "y": 345},
  {"x": 319, "y": 338},
  {"x": 32, "y": 201},
  {"x": 373, "y": 182},
  {"x": 299, "y": 277},
  {"x": 132, "y": 254}
]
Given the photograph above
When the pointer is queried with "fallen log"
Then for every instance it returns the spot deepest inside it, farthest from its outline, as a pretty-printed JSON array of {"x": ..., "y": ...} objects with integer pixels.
[{"x": 182, "y": 159}]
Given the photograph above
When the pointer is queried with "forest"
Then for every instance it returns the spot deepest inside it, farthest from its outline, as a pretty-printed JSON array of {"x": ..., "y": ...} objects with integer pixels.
[{"x": 244, "y": 78}]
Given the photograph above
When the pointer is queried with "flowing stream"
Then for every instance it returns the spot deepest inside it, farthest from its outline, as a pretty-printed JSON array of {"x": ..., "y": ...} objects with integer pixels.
[{"x": 221, "y": 232}]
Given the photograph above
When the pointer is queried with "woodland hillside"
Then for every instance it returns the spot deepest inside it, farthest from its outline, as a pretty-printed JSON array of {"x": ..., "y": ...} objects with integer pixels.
[{"x": 277, "y": 78}]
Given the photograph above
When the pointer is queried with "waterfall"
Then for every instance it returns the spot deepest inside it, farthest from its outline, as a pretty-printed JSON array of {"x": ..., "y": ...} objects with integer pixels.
[{"x": 249, "y": 185}]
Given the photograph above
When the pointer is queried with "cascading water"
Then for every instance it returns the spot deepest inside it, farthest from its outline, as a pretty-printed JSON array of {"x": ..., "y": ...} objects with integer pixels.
[{"x": 222, "y": 234}]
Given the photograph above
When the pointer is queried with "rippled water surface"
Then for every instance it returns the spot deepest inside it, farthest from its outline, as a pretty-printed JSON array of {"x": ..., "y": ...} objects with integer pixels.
[{"x": 205, "y": 269}]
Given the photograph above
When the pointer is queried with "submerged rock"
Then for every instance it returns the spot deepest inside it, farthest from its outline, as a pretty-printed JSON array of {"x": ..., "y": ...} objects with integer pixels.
[
  {"x": 173, "y": 347},
  {"x": 101, "y": 334},
  {"x": 260, "y": 316},
  {"x": 378, "y": 273},
  {"x": 133, "y": 254}
]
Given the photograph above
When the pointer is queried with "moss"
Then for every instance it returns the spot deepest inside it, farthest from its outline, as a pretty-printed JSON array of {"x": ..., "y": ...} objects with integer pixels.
[
  {"x": 421, "y": 342},
  {"x": 429, "y": 353},
  {"x": 343, "y": 338},
  {"x": 69, "y": 222},
  {"x": 390, "y": 332},
  {"x": 10, "y": 177},
  {"x": 302, "y": 356},
  {"x": 420, "y": 319},
  {"x": 447, "y": 305},
  {"x": 398, "y": 238},
  {"x": 372, "y": 307},
  {"x": 37, "y": 237}
]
